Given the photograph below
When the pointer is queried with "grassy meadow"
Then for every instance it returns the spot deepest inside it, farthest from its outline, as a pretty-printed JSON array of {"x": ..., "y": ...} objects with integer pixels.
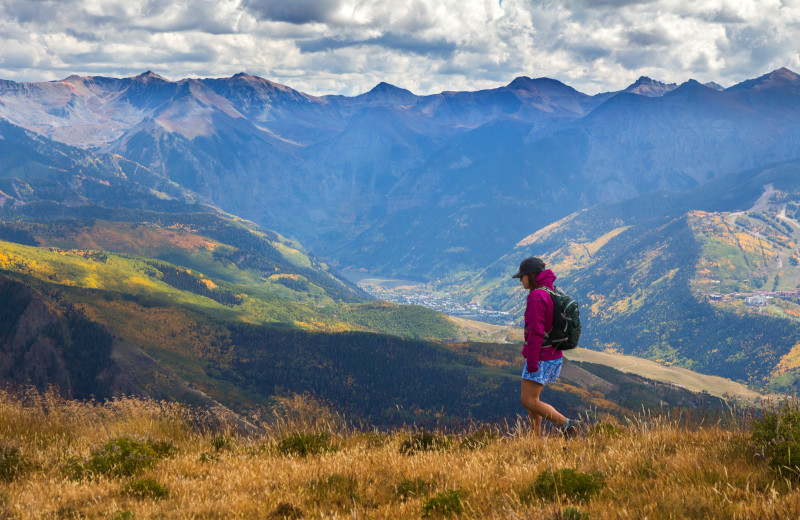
[{"x": 130, "y": 458}]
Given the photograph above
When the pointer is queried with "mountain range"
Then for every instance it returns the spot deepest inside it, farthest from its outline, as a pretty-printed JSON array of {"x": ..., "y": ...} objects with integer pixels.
[
  {"x": 411, "y": 185},
  {"x": 156, "y": 236},
  {"x": 115, "y": 281}
]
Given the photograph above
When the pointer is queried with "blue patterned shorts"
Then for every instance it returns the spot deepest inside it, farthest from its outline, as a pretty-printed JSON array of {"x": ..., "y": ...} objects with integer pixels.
[{"x": 548, "y": 371}]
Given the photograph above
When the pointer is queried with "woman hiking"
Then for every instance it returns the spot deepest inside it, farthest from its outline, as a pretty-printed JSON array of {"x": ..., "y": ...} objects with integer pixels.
[{"x": 543, "y": 362}]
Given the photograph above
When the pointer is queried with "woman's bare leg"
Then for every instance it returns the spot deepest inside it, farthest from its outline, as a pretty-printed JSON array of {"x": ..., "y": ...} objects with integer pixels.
[
  {"x": 530, "y": 393},
  {"x": 536, "y": 423}
]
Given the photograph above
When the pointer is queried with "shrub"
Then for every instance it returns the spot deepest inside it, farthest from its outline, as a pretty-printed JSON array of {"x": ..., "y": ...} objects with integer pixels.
[
  {"x": 564, "y": 482},
  {"x": 424, "y": 441},
  {"x": 208, "y": 456},
  {"x": 478, "y": 439},
  {"x": 448, "y": 502},
  {"x": 146, "y": 488},
  {"x": 74, "y": 468},
  {"x": 222, "y": 442},
  {"x": 304, "y": 444},
  {"x": 408, "y": 488},
  {"x": 123, "y": 515},
  {"x": 120, "y": 457},
  {"x": 337, "y": 490},
  {"x": 777, "y": 438},
  {"x": 12, "y": 463},
  {"x": 162, "y": 449},
  {"x": 285, "y": 511},
  {"x": 571, "y": 513}
]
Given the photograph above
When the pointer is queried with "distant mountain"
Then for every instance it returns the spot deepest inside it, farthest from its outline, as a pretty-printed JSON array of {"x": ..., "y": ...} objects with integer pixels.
[
  {"x": 34, "y": 169},
  {"x": 650, "y": 87},
  {"x": 417, "y": 185},
  {"x": 385, "y": 94},
  {"x": 783, "y": 80},
  {"x": 504, "y": 177}
]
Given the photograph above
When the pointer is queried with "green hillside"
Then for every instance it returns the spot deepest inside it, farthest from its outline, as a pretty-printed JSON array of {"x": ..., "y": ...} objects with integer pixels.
[
  {"x": 218, "y": 246},
  {"x": 267, "y": 279},
  {"x": 182, "y": 317}
]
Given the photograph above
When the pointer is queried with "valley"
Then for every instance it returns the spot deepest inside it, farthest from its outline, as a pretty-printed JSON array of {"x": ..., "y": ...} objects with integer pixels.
[
  {"x": 421, "y": 293},
  {"x": 497, "y": 327}
]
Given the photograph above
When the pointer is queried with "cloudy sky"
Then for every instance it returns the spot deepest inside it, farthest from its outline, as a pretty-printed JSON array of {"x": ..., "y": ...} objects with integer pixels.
[{"x": 427, "y": 46}]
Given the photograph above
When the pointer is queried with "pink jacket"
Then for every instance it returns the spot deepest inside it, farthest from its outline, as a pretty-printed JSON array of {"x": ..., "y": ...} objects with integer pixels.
[{"x": 538, "y": 322}]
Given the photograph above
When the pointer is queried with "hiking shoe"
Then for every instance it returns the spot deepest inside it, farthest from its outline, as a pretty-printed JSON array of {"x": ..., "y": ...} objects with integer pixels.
[{"x": 570, "y": 428}]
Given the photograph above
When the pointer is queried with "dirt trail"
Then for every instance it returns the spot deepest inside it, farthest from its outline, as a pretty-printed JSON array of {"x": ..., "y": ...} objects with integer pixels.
[
  {"x": 760, "y": 204},
  {"x": 763, "y": 200},
  {"x": 677, "y": 376}
]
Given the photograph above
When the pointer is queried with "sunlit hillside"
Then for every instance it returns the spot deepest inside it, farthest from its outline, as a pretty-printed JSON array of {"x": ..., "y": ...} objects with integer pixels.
[
  {"x": 133, "y": 458},
  {"x": 93, "y": 277}
]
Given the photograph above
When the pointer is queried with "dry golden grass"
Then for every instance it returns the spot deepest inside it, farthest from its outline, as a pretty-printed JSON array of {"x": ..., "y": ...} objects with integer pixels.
[{"x": 653, "y": 467}]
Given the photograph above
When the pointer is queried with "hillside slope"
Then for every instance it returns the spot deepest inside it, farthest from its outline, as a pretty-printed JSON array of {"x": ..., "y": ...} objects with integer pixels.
[
  {"x": 662, "y": 286},
  {"x": 242, "y": 346},
  {"x": 57, "y": 195}
]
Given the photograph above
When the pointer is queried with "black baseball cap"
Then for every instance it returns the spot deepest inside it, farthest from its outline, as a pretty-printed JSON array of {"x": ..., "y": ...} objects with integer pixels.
[{"x": 531, "y": 264}]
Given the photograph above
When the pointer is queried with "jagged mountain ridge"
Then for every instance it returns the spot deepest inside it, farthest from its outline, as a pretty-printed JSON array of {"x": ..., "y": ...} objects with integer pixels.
[
  {"x": 122, "y": 103},
  {"x": 506, "y": 177},
  {"x": 417, "y": 185}
]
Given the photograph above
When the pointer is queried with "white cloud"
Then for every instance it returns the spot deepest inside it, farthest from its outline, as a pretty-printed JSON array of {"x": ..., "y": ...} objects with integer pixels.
[{"x": 347, "y": 46}]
